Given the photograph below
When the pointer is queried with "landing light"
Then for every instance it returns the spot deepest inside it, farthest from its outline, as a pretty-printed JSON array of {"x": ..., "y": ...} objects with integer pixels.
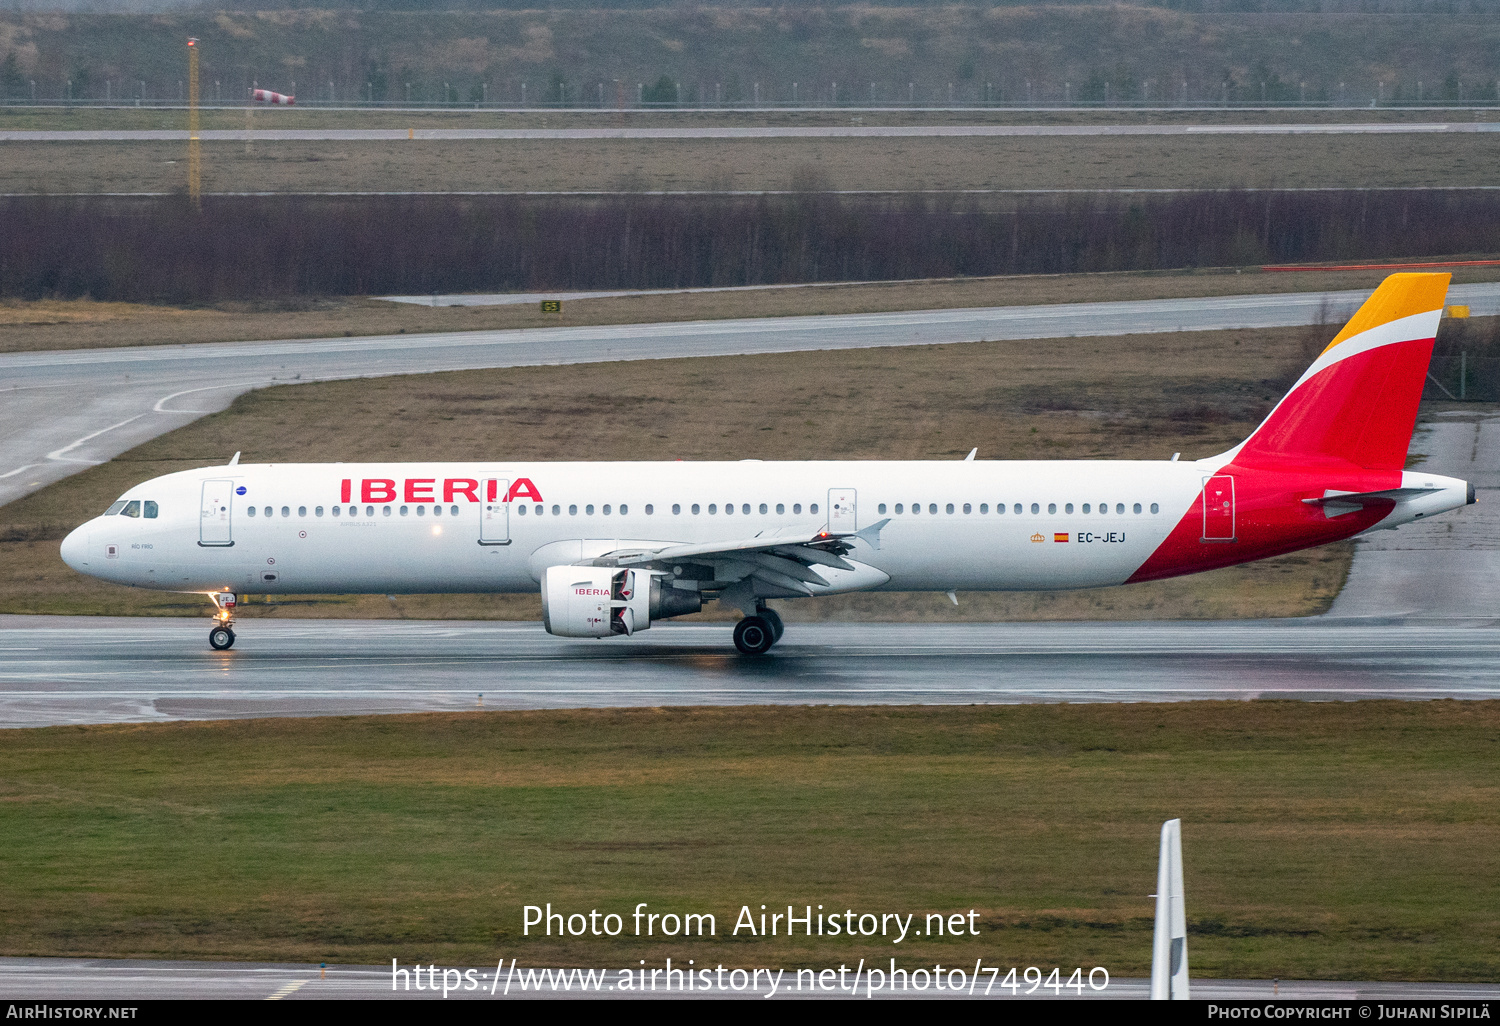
[{"x": 437, "y": 529}]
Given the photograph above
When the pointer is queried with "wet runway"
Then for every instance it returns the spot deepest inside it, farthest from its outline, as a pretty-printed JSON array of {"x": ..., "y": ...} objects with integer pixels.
[
  {"x": 736, "y": 132},
  {"x": 66, "y": 979},
  {"x": 119, "y": 398},
  {"x": 56, "y": 670}
]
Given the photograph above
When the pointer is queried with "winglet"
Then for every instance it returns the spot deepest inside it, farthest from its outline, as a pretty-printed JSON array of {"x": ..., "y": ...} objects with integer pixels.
[
  {"x": 972, "y": 453},
  {"x": 234, "y": 460},
  {"x": 871, "y": 534}
]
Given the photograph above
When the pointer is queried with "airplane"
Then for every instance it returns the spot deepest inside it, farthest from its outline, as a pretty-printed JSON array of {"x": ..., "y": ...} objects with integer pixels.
[{"x": 614, "y": 547}]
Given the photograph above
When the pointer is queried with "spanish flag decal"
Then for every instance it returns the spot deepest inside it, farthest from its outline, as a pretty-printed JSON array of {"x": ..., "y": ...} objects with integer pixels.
[{"x": 1060, "y": 536}]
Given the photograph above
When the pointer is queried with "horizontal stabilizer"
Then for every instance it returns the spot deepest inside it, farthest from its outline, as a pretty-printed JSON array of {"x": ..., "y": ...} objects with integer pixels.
[{"x": 1336, "y": 503}]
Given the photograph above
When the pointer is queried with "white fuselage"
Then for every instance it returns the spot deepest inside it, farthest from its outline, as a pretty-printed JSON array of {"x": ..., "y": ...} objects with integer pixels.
[{"x": 949, "y": 532}]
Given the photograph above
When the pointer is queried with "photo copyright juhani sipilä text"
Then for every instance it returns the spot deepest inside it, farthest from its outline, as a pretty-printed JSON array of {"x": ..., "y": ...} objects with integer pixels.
[{"x": 687, "y": 976}]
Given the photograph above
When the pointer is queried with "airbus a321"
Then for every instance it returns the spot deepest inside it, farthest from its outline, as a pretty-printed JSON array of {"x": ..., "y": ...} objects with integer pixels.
[{"x": 614, "y": 547}]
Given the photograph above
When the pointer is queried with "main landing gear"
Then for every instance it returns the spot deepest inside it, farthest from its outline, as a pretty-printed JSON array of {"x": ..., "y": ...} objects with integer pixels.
[
  {"x": 221, "y": 635},
  {"x": 754, "y": 635}
]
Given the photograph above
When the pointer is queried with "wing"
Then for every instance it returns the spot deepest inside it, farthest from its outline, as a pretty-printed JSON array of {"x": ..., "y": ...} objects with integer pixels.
[{"x": 784, "y": 563}]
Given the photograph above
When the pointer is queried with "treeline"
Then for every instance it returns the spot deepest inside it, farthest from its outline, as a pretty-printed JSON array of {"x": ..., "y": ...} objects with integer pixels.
[{"x": 263, "y": 247}]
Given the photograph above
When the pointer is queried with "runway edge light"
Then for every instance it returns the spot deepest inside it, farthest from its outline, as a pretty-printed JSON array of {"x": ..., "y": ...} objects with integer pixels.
[{"x": 1169, "y": 966}]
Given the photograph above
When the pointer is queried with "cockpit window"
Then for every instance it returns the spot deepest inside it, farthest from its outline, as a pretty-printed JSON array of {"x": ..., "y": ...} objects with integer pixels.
[
  {"x": 132, "y": 508},
  {"x": 150, "y": 509},
  {"x": 115, "y": 508}
]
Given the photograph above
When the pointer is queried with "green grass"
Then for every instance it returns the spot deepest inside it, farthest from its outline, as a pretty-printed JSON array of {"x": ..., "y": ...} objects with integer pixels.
[{"x": 1353, "y": 841}]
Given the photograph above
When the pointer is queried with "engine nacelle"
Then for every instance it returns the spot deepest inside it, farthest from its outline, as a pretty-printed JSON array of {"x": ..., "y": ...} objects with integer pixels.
[{"x": 600, "y": 601}]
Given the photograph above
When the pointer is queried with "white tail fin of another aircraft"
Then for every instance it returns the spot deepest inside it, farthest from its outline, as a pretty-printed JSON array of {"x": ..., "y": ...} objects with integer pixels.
[{"x": 1169, "y": 966}]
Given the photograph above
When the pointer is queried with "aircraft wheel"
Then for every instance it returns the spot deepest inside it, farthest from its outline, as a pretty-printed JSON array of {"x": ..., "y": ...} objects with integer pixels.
[
  {"x": 220, "y": 638},
  {"x": 774, "y": 619},
  {"x": 754, "y": 635}
]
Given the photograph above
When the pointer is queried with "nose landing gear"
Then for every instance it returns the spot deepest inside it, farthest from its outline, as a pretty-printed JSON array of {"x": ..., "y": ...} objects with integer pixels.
[
  {"x": 754, "y": 635},
  {"x": 221, "y": 636}
]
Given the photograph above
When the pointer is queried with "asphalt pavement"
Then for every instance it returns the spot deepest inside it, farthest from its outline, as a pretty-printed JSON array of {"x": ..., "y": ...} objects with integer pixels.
[
  {"x": 63, "y": 411},
  {"x": 736, "y": 132},
  {"x": 98, "y": 979},
  {"x": 58, "y": 670}
]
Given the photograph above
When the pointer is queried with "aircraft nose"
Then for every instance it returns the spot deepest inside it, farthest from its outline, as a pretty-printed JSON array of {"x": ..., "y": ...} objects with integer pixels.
[{"x": 74, "y": 550}]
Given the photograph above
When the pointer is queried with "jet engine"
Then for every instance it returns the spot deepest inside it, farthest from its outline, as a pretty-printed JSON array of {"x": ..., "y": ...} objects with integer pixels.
[{"x": 600, "y": 601}]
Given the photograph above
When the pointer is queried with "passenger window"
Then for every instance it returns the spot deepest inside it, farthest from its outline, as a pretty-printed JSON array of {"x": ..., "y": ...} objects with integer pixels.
[
  {"x": 405, "y": 511},
  {"x": 796, "y": 507},
  {"x": 780, "y": 508},
  {"x": 250, "y": 511},
  {"x": 984, "y": 507},
  {"x": 588, "y": 510},
  {"x": 1035, "y": 508},
  {"x": 385, "y": 511},
  {"x": 1119, "y": 507},
  {"x": 421, "y": 511},
  {"x": 1051, "y": 507},
  {"x": 880, "y": 508},
  {"x": 649, "y": 509},
  {"x": 968, "y": 508},
  {"x": 898, "y": 507},
  {"x": 1136, "y": 508},
  {"x": 150, "y": 509},
  {"x": 573, "y": 510},
  {"x": 695, "y": 509},
  {"x": 453, "y": 510},
  {"x": 369, "y": 510},
  {"x": 1016, "y": 509},
  {"x": 677, "y": 509},
  {"x": 624, "y": 510},
  {"x": 916, "y": 508},
  {"x": 932, "y": 508},
  {"x": 1155, "y": 508},
  {"x": 317, "y": 512},
  {"x": 813, "y": 508},
  {"x": 302, "y": 511},
  {"x": 999, "y": 507},
  {"x": 521, "y": 509},
  {"x": 557, "y": 511},
  {"x": 286, "y": 511},
  {"x": 437, "y": 511},
  {"x": 745, "y": 509},
  {"x": 763, "y": 509},
  {"x": 267, "y": 511},
  {"x": 1087, "y": 507},
  {"x": 114, "y": 508},
  {"x": 949, "y": 509},
  {"x": 1068, "y": 508},
  {"x": 728, "y": 509},
  {"x": 606, "y": 509},
  {"x": 336, "y": 510},
  {"x": 713, "y": 508}
]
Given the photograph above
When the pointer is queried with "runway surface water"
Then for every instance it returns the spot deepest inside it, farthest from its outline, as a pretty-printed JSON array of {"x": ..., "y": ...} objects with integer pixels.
[
  {"x": 72, "y": 979},
  {"x": 62, "y": 670}
]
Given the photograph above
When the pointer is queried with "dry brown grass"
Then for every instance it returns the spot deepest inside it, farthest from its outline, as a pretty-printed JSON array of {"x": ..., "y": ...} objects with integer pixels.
[
  {"x": 84, "y": 324},
  {"x": 1098, "y": 162},
  {"x": 1135, "y": 397}
]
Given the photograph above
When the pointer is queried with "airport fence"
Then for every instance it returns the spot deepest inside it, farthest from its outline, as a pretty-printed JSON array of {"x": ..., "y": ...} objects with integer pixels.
[{"x": 160, "y": 249}]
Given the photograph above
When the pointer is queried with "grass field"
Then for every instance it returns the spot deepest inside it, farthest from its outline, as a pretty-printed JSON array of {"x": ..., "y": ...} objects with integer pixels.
[
  {"x": 1107, "y": 162},
  {"x": 83, "y": 324},
  {"x": 1341, "y": 840},
  {"x": 1142, "y": 396}
]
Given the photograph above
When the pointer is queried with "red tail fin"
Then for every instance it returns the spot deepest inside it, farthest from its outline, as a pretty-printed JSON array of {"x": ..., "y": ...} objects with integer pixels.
[{"x": 1357, "y": 403}]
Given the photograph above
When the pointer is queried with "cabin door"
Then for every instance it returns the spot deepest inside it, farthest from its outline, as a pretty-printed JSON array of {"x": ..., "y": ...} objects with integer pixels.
[
  {"x": 1218, "y": 508},
  {"x": 494, "y": 512},
  {"x": 842, "y": 509},
  {"x": 216, "y": 514}
]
